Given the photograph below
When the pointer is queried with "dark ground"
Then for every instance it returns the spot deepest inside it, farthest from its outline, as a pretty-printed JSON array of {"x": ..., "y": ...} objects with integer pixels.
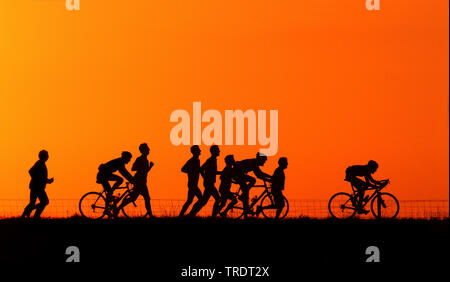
[{"x": 163, "y": 247}]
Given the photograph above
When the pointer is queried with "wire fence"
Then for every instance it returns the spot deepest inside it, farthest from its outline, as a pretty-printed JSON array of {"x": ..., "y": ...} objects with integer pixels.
[{"x": 63, "y": 208}]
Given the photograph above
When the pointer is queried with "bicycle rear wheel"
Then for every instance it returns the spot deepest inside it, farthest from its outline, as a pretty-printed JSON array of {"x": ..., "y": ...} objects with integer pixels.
[
  {"x": 385, "y": 205},
  {"x": 269, "y": 209},
  {"x": 92, "y": 205},
  {"x": 236, "y": 211},
  {"x": 340, "y": 206},
  {"x": 135, "y": 209}
]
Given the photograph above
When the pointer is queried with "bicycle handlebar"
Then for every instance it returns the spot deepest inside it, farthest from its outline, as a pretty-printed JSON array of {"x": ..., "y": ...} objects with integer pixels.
[{"x": 383, "y": 184}]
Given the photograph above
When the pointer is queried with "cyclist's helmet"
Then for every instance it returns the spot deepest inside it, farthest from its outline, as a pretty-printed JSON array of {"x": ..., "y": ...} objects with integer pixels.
[
  {"x": 261, "y": 158},
  {"x": 126, "y": 155},
  {"x": 229, "y": 160},
  {"x": 373, "y": 165}
]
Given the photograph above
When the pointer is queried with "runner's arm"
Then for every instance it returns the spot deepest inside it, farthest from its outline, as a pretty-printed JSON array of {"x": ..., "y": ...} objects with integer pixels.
[{"x": 187, "y": 167}]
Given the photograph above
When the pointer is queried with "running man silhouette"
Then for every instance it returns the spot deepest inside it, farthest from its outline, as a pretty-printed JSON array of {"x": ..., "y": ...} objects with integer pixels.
[
  {"x": 352, "y": 174},
  {"x": 39, "y": 179},
  {"x": 192, "y": 168},
  {"x": 278, "y": 180},
  {"x": 142, "y": 168},
  {"x": 225, "y": 186},
  {"x": 245, "y": 181},
  {"x": 209, "y": 171},
  {"x": 106, "y": 174}
]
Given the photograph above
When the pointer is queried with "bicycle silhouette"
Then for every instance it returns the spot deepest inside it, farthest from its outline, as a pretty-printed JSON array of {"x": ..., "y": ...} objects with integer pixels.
[
  {"x": 261, "y": 204},
  {"x": 383, "y": 205},
  {"x": 93, "y": 204}
]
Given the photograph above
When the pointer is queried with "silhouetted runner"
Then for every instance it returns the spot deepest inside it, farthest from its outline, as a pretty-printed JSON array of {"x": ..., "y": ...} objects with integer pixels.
[
  {"x": 106, "y": 174},
  {"x": 192, "y": 168},
  {"x": 278, "y": 180},
  {"x": 225, "y": 186},
  {"x": 209, "y": 172},
  {"x": 142, "y": 167},
  {"x": 241, "y": 168},
  {"x": 353, "y": 172},
  {"x": 39, "y": 179}
]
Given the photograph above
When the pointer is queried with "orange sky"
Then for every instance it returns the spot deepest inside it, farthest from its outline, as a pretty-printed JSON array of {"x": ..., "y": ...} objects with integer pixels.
[{"x": 350, "y": 85}]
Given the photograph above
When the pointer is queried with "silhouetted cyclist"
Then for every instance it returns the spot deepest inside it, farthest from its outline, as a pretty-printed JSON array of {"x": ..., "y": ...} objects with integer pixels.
[
  {"x": 37, "y": 185},
  {"x": 352, "y": 174},
  {"x": 192, "y": 168},
  {"x": 278, "y": 180},
  {"x": 142, "y": 167},
  {"x": 245, "y": 181},
  {"x": 225, "y": 186},
  {"x": 209, "y": 172},
  {"x": 106, "y": 174}
]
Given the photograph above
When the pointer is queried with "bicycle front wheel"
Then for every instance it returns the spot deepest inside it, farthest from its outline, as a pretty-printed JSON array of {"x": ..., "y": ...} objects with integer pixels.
[
  {"x": 340, "y": 206},
  {"x": 135, "y": 209},
  {"x": 385, "y": 205},
  {"x": 92, "y": 205},
  {"x": 269, "y": 209}
]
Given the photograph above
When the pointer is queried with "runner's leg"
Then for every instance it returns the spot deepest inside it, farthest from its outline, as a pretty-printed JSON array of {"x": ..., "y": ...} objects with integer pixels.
[
  {"x": 31, "y": 204},
  {"x": 131, "y": 197},
  {"x": 202, "y": 201},
  {"x": 193, "y": 192},
  {"x": 43, "y": 202},
  {"x": 146, "y": 195},
  {"x": 279, "y": 201},
  {"x": 217, "y": 201}
]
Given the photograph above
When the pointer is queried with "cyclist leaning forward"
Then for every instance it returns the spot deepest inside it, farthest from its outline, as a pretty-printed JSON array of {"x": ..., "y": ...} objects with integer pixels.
[
  {"x": 106, "y": 174},
  {"x": 245, "y": 181},
  {"x": 352, "y": 174}
]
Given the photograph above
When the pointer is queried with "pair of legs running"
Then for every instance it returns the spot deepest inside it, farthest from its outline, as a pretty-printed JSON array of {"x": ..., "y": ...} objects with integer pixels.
[
  {"x": 225, "y": 195},
  {"x": 43, "y": 202},
  {"x": 278, "y": 200},
  {"x": 210, "y": 190},
  {"x": 139, "y": 189},
  {"x": 193, "y": 191}
]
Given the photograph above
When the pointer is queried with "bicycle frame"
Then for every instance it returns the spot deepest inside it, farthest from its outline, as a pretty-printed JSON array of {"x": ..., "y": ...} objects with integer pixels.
[
  {"x": 121, "y": 197},
  {"x": 374, "y": 194},
  {"x": 257, "y": 200},
  {"x": 266, "y": 191}
]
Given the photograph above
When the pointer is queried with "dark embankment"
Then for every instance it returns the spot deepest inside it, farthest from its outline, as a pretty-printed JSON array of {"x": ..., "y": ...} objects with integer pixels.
[{"x": 164, "y": 247}]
